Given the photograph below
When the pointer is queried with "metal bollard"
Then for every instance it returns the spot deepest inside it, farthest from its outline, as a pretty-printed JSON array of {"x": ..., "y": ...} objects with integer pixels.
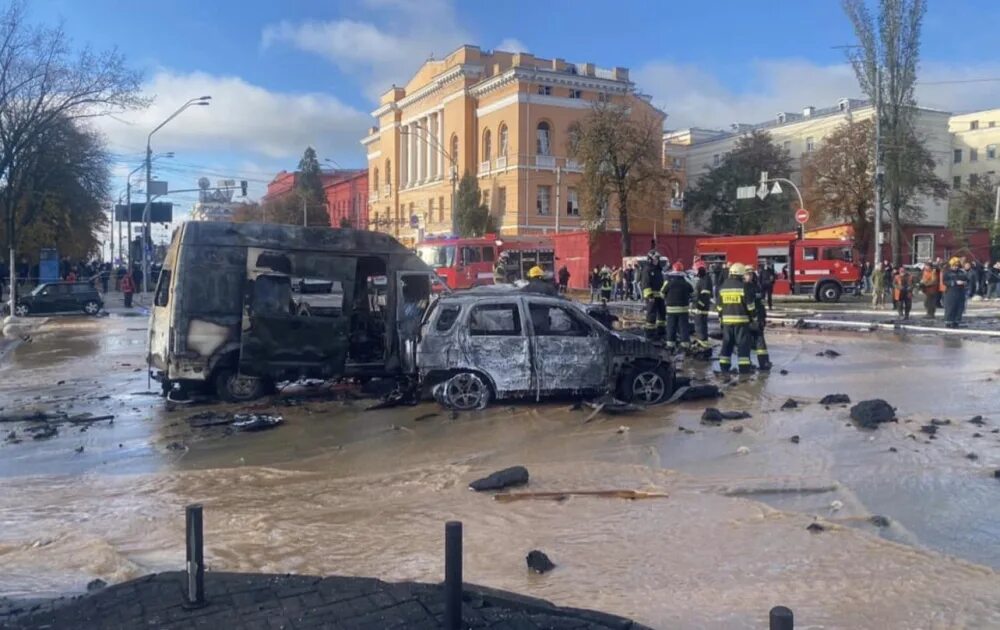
[
  {"x": 453, "y": 575},
  {"x": 781, "y": 618},
  {"x": 195, "y": 557}
]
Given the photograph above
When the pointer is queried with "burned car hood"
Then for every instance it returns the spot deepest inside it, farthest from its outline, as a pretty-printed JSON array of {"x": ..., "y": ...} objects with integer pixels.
[{"x": 636, "y": 346}]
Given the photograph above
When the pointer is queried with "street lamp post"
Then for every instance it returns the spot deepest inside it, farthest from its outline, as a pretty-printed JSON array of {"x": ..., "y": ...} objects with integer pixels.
[{"x": 201, "y": 100}]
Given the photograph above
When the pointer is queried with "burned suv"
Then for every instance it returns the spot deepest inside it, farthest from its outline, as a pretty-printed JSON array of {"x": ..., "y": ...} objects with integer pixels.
[{"x": 492, "y": 343}]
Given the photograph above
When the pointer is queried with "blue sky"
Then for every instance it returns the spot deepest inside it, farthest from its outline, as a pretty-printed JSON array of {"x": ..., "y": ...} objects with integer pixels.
[{"x": 286, "y": 74}]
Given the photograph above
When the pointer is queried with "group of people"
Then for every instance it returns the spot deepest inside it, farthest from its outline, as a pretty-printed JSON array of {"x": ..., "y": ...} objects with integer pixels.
[
  {"x": 614, "y": 283},
  {"x": 103, "y": 275},
  {"x": 671, "y": 301}
]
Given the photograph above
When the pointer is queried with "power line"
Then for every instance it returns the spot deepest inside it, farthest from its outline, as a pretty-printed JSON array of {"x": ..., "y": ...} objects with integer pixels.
[{"x": 952, "y": 82}]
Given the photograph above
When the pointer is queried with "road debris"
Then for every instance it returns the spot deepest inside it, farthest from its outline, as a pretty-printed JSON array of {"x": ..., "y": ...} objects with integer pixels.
[
  {"x": 971, "y": 456},
  {"x": 743, "y": 450},
  {"x": 868, "y": 414},
  {"x": 978, "y": 421},
  {"x": 929, "y": 429},
  {"x": 209, "y": 419},
  {"x": 879, "y": 521},
  {"x": 631, "y": 495},
  {"x": 622, "y": 429},
  {"x": 256, "y": 421},
  {"x": 830, "y": 354},
  {"x": 78, "y": 449},
  {"x": 43, "y": 432},
  {"x": 940, "y": 423},
  {"x": 794, "y": 439},
  {"x": 815, "y": 528},
  {"x": 506, "y": 478},
  {"x": 835, "y": 399},
  {"x": 790, "y": 404},
  {"x": 96, "y": 585},
  {"x": 539, "y": 562},
  {"x": 713, "y": 415},
  {"x": 426, "y": 416}
]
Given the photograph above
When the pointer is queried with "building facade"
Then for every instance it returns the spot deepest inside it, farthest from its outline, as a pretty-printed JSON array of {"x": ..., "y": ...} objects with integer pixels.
[
  {"x": 975, "y": 147},
  {"x": 347, "y": 199},
  {"x": 502, "y": 117}
]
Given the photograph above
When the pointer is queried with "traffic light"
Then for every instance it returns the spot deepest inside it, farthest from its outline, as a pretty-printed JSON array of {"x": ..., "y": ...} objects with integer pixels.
[{"x": 243, "y": 187}]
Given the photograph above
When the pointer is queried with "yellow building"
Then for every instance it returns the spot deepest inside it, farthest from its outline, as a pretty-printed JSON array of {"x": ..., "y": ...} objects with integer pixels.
[
  {"x": 504, "y": 117},
  {"x": 975, "y": 147}
]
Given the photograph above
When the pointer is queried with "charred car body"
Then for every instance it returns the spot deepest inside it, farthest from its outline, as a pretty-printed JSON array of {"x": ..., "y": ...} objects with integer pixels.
[
  {"x": 240, "y": 306},
  {"x": 490, "y": 343}
]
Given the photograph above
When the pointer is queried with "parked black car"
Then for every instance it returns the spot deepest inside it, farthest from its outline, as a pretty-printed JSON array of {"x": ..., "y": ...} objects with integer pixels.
[{"x": 60, "y": 297}]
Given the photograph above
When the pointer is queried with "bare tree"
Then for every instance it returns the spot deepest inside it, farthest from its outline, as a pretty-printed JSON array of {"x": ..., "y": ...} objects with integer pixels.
[
  {"x": 44, "y": 83},
  {"x": 620, "y": 153},
  {"x": 886, "y": 61}
]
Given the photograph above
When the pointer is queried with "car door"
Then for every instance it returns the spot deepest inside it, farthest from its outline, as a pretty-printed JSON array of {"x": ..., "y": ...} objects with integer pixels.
[
  {"x": 413, "y": 295},
  {"x": 52, "y": 298},
  {"x": 570, "y": 354},
  {"x": 497, "y": 345}
]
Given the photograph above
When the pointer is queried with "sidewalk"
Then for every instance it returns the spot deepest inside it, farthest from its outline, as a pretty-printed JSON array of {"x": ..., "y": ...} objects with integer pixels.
[{"x": 261, "y": 601}]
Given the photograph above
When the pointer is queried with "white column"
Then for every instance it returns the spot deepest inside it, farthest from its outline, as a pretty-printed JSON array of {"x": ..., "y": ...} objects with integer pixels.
[
  {"x": 444, "y": 147},
  {"x": 433, "y": 142},
  {"x": 411, "y": 135},
  {"x": 403, "y": 167},
  {"x": 427, "y": 148}
]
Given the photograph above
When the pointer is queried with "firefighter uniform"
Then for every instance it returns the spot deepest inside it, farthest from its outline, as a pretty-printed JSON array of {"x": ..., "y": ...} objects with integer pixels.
[
  {"x": 757, "y": 327},
  {"x": 606, "y": 284},
  {"x": 736, "y": 309},
  {"x": 702, "y": 303},
  {"x": 677, "y": 301},
  {"x": 652, "y": 285}
]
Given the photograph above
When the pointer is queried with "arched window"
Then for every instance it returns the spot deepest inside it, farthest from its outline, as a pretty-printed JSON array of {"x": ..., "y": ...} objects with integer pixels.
[
  {"x": 543, "y": 145},
  {"x": 454, "y": 148},
  {"x": 502, "y": 147},
  {"x": 487, "y": 146},
  {"x": 388, "y": 173},
  {"x": 375, "y": 179}
]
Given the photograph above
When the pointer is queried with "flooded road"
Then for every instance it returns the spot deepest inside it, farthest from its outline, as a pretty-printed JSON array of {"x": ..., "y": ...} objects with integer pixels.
[{"x": 337, "y": 489}]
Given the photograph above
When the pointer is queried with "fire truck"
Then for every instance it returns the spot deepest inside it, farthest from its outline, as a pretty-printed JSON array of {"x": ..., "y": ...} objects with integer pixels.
[
  {"x": 822, "y": 267},
  {"x": 468, "y": 262}
]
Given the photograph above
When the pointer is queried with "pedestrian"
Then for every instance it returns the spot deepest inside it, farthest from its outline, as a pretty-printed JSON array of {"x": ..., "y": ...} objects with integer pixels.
[
  {"x": 702, "y": 302},
  {"x": 955, "y": 282},
  {"x": 758, "y": 323},
  {"x": 929, "y": 284},
  {"x": 629, "y": 282},
  {"x": 500, "y": 269},
  {"x": 677, "y": 301},
  {"x": 887, "y": 275},
  {"x": 736, "y": 307},
  {"x": 767, "y": 279},
  {"x": 71, "y": 275},
  {"x": 607, "y": 283},
  {"x": 128, "y": 288},
  {"x": 652, "y": 287},
  {"x": 563, "y": 279},
  {"x": 616, "y": 281},
  {"x": 717, "y": 278},
  {"x": 902, "y": 293},
  {"x": 866, "y": 277},
  {"x": 994, "y": 281},
  {"x": 878, "y": 289},
  {"x": 595, "y": 284}
]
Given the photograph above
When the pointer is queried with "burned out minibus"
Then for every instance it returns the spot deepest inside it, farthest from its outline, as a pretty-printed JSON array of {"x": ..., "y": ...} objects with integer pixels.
[{"x": 241, "y": 306}]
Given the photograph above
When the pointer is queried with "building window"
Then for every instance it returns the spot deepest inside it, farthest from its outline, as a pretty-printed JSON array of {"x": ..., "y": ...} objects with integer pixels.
[
  {"x": 603, "y": 97},
  {"x": 502, "y": 149},
  {"x": 430, "y": 210},
  {"x": 454, "y": 149},
  {"x": 958, "y": 156},
  {"x": 677, "y": 163},
  {"x": 787, "y": 144},
  {"x": 973, "y": 155},
  {"x": 501, "y": 200},
  {"x": 810, "y": 144},
  {"x": 956, "y": 182},
  {"x": 991, "y": 151},
  {"x": 992, "y": 124},
  {"x": 973, "y": 125},
  {"x": 388, "y": 173},
  {"x": 545, "y": 90},
  {"x": 487, "y": 146},
  {"x": 440, "y": 209},
  {"x": 973, "y": 179},
  {"x": 543, "y": 144},
  {"x": 715, "y": 160},
  {"x": 575, "y": 94},
  {"x": 486, "y": 199},
  {"x": 543, "y": 200},
  {"x": 675, "y": 226},
  {"x": 572, "y": 202},
  {"x": 375, "y": 178}
]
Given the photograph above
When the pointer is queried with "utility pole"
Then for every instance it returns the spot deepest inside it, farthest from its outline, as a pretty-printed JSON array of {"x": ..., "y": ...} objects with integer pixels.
[
  {"x": 879, "y": 168},
  {"x": 558, "y": 195},
  {"x": 305, "y": 209}
]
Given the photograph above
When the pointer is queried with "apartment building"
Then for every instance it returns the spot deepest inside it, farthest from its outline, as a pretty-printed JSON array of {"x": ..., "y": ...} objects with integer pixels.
[
  {"x": 503, "y": 117},
  {"x": 975, "y": 147}
]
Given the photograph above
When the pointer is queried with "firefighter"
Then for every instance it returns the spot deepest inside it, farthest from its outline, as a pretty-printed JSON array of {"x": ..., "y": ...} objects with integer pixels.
[
  {"x": 537, "y": 283},
  {"x": 606, "y": 283},
  {"x": 677, "y": 301},
  {"x": 736, "y": 308},
  {"x": 702, "y": 302},
  {"x": 757, "y": 326},
  {"x": 500, "y": 269},
  {"x": 652, "y": 285}
]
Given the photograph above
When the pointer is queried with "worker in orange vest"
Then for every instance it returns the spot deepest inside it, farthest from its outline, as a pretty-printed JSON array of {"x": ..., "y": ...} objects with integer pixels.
[
  {"x": 902, "y": 292},
  {"x": 930, "y": 283}
]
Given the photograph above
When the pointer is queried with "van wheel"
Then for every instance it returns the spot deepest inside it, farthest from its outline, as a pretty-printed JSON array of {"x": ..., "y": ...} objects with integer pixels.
[
  {"x": 828, "y": 292},
  {"x": 234, "y": 387},
  {"x": 91, "y": 307},
  {"x": 464, "y": 391},
  {"x": 647, "y": 385}
]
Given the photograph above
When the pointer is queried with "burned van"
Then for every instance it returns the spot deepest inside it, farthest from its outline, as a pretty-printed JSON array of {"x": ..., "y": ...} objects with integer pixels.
[{"x": 241, "y": 306}]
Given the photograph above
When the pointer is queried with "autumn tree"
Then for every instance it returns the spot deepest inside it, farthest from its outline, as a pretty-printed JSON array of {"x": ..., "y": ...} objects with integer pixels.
[
  {"x": 973, "y": 208},
  {"x": 713, "y": 198},
  {"x": 622, "y": 166},
  {"x": 472, "y": 216},
  {"x": 248, "y": 212},
  {"x": 885, "y": 63}
]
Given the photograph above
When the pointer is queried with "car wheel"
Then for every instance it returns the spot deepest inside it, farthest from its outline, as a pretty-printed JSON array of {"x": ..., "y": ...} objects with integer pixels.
[
  {"x": 92, "y": 307},
  {"x": 22, "y": 310},
  {"x": 648, "y": 385},
  {"x": 828, "y": 292},
  {"x": 234, "y": 387},
  {"x": 466, "y": 391}
]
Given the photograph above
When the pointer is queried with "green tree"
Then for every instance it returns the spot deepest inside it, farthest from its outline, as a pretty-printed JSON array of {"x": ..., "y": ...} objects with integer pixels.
[
  {"x": 972, "y": 208},
  {"x": 713, "y": 198},
  {"x": 472, "y": 217},
  {"x": 621, "y": 157},
  {"x": 309, "y": 176},
  {"x": 885, "y": 63}
]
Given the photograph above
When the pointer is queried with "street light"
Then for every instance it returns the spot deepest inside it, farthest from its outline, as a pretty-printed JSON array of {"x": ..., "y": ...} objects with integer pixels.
[
  {"x": 128, "y": 204},
  {"x": 451, "y": 160},
  {"x": 201, "y": 100}
]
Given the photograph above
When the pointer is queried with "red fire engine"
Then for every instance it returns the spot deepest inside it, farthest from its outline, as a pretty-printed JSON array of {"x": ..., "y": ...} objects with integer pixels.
[
  {"x": 469, "y": 262},
  {"x": 823, "y": 268}
]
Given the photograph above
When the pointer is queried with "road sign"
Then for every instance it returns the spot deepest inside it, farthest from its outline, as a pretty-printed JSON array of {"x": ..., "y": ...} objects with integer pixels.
[
  {"x": 746, "y": 192},
  {"x": 776, "y": 189},
  {"x": 762, "y": 192},
  {"x": 802, "y": 215},
  {"x": 157, "y": 188}
]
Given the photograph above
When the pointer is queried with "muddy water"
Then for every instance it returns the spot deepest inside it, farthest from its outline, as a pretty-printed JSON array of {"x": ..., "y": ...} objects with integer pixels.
[{"x": 341, "y": 490}]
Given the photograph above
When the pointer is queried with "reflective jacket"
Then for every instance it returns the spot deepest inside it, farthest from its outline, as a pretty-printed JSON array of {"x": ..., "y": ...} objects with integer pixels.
[
  {"x": 703, "y": 294},
  {"x": 902, "y": 285},
  {"x": 677, "y": 293},
  {"x": 606, "y": 282},
  {"x": 652, "y": 281},
  {"x": 736, "y": 302}
]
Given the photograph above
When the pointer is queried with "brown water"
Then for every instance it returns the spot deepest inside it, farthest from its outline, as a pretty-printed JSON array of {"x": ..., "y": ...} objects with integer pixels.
[{"x": 341, "y": 490}]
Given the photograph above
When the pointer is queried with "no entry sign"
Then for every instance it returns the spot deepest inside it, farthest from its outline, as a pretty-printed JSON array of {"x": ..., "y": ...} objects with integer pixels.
[{"x": 802, "y": 215}]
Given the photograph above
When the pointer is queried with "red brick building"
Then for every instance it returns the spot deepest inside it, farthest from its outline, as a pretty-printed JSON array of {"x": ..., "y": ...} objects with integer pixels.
[{"x": 345, "y": 192}]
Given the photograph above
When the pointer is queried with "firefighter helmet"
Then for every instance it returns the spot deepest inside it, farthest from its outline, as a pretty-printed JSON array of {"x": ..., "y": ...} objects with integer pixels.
[
  {"x": 535, "y": 272},
  {"x": 738, "y": 269}
]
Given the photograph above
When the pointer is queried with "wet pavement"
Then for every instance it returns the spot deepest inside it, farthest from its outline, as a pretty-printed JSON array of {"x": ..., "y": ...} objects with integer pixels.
[{"x": 336, "y": 489}]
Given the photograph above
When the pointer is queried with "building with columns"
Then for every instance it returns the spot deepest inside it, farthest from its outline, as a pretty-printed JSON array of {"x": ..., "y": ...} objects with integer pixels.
[{"x": 503, "y": 117}]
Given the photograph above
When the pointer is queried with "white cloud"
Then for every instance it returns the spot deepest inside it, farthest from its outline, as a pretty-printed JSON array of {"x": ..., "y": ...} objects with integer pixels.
[
  {"x": 693, "y": 97},
  {"x": 383, "y": 54},
  {"x": 513, "y": 45},
  {"x": 243, "y": 118}
]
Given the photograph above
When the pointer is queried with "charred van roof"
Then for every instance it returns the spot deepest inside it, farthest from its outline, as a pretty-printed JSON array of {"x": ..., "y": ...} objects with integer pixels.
[{"x": 276, "y": 236}]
